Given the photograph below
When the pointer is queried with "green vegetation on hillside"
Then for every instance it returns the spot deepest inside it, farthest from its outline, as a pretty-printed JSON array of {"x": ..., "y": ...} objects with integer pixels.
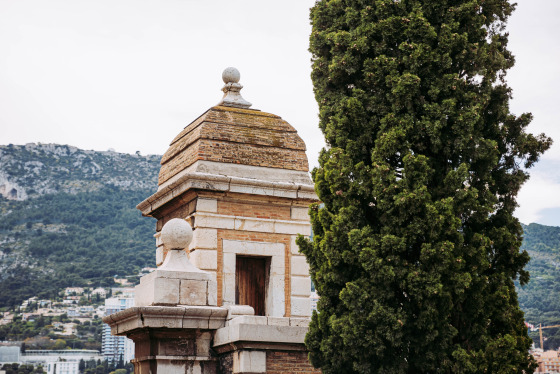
[
  {"x": 64, "y": 240},
  {"x": 73, "y": 221},
  {"x": 540, "y": 298},
  {"x": 21, "y": 369}
]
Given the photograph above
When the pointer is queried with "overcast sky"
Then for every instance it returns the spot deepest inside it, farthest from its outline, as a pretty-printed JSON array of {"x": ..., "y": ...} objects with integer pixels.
[{"x": 130, "y": 74}]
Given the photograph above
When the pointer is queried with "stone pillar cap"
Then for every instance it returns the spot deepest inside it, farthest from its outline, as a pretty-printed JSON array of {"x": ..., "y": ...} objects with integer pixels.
[
  {"x": 232, "y": 96},
  {"x": 176, "y": 234}
]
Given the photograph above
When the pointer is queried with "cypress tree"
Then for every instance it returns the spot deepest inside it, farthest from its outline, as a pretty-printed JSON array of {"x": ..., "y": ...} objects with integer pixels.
[{"x": 415, "y": 248}]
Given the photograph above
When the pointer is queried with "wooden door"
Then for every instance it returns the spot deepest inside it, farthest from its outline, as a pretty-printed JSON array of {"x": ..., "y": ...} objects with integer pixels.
[{"x": 250, "y": 283}]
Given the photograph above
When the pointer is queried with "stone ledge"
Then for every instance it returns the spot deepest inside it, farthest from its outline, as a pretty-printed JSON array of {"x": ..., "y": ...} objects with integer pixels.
[
  {"x": 178, "y": 317},
  {"x": 220, "y": 221},
  {"x": 270, "y": 321},
  {"x": 243, "y": 332},
  {"x": 260, "y": 346},
  {"x": 213, "y": 182},
  {"x": 186, "y": 358}
]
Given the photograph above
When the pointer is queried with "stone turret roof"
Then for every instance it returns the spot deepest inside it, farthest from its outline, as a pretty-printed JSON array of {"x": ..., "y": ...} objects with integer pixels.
[
  {"x": 236, "y": 149},
  {"x": 228, "y": 134}
]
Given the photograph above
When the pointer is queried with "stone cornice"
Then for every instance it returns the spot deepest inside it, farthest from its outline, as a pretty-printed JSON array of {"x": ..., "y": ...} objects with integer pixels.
[
  {"x": 177, "y": 317},
  {"x": 260, "y": 329},
  {"x": 212, "y": 182}
]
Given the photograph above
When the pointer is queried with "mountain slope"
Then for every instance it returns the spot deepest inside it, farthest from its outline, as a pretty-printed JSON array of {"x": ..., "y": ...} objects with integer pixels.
[
  {"x": 68, "y": 218},
  {"x": 540, "y": 298}
]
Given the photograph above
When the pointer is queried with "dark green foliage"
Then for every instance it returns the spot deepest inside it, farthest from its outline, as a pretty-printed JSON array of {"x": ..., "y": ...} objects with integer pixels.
[
  {"x": 90, "y": 238},
  {"x": 416, "y": 250},
  {"x": 105, "y": 367},
  {"x": 22, "y": 369},
  {"x": 78, "y": 226},
  {"x": 540, "y": 298},
  {"x": 38, "y": 334}
]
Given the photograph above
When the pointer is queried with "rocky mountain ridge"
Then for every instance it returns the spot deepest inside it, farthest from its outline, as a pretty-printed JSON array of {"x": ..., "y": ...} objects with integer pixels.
[
  {"x": 36, "y": 169},
  {"x": 68, "y": 217}
]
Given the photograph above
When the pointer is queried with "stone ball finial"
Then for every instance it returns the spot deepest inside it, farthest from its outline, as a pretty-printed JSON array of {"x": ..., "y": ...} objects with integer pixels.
[
  {"x": 176, "y": 234},
  {"x": 231, "y": 75}
]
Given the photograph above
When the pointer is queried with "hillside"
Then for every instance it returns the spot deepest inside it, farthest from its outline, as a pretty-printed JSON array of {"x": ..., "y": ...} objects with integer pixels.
[
  {"x": 540, "y": 298},
  {"x": 68, "y": 218}
]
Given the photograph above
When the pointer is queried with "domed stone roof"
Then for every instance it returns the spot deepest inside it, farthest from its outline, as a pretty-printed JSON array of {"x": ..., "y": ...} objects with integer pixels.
[
  {"x": 231, "y": 149},
  {"x": 232, "y": 135}
]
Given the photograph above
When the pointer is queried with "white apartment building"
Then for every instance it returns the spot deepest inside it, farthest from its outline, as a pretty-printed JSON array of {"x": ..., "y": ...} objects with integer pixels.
[{"x": 113, "y": 347}]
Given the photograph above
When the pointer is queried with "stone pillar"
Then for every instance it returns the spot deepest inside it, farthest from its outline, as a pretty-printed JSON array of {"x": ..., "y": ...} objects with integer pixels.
[{"x": 173, "y": 323}]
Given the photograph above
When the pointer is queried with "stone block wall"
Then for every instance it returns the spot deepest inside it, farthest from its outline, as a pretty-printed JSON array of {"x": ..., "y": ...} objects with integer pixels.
[
  {"x": 289, "y": 362},
  {"x": 229, "y": 224}
]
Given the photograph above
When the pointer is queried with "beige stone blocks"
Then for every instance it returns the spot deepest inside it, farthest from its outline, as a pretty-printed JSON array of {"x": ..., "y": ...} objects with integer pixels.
[
  {"x": 261, "y": 333},
  {"x": 275, "y": 302},
  {"x": 205, "y": 259},
  {"x": 300, "y": 214},
  {"x": 249, "y": 362},
  {"x": 301, "y": 286},
  {"x": 300, "y": 266},
  {"x": 227, "y": 222},
  {"x": 158, "y": 291},
  {"x": 301, "y": 306},
  {"x": 207, "y": 205},
  {"x": 253, "y": 248},
  {"x": 193, "y": 292},
  {"x": 228, "y": 293},
  {"x": 204, "y": 238},
  {"x": 293, "y": 245},
  {"x": 259, "y": 225},
  {"x": 170, "y": 288},
  {"x": 216, "y": 221}
]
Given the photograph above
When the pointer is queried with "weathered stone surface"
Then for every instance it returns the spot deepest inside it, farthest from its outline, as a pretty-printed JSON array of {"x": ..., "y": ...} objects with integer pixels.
[
  {"x": 205, "y": 259},
  {"x": 301, "y": 306},
  {"x": 270, "y": 334},
  {"x": 207, "y": 205},
  {"x": 237, "y": 136},
  {"x": 193, "y": 292},
  {"x": 300, "y": 266},
  {"x": 176, "y": 234},
  {"x": 204, "y": 238},
  {"x": 158, "y": 291},
  {"x": 301, "y": 286},
  {"x": 240, "y": 178},
  {"x": 250, "y": 362},
  {"x": 300, "y": 214},
  {"x": 136, "y": 318}
]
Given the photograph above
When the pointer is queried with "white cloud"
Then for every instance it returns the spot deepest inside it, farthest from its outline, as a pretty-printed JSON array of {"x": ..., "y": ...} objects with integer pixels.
[{"x": 539, "y": 193}]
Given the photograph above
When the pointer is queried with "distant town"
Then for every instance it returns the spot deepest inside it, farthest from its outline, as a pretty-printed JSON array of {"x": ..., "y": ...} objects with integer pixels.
[
  {"x": 67, "y": 335},
  {"x": 71, "y": 338}
]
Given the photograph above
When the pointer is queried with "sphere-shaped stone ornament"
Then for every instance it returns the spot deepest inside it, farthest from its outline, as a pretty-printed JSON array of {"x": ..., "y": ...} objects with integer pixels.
[
  {"x": 176, "y": 234},
  {"x": 231, "y": 75}
]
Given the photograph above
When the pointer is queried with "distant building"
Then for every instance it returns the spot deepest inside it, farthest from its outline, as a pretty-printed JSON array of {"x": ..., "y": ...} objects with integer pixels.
[
  {"x": 62, "y": 367},
  {"x": 73, "y": 291},
  {"x": 115, "y": 348},
  {"x": 549, "y": 362},
  {"x": 59, "y": 361},
  {"x": 122, "y": 281},
  {"x": 44, "y": 303},
  {"x": 99, "y": 291},
  {"x": 9, "y": 354}
]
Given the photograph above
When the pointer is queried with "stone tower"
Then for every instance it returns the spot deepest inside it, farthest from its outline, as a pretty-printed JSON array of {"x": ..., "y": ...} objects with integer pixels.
[
  {"x": 236, "y": 296},
  {"x": 240, "y": 176}
]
